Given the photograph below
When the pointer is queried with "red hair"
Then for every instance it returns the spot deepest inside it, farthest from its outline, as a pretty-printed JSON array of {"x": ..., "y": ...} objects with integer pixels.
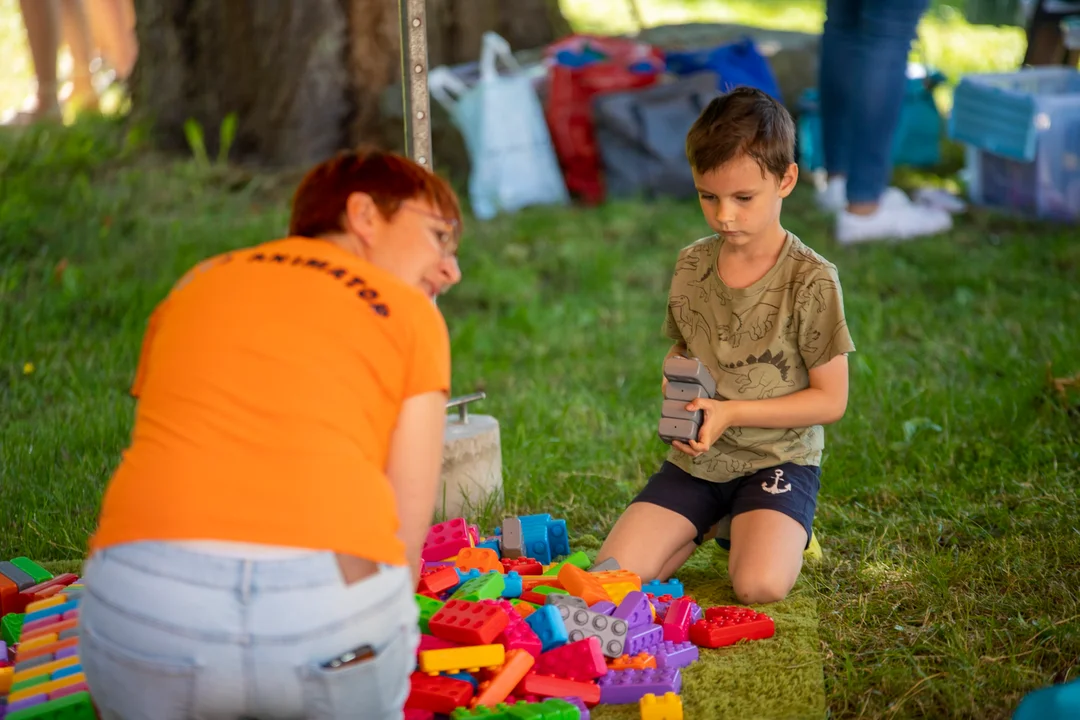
[{"x": 390, "y": 179}]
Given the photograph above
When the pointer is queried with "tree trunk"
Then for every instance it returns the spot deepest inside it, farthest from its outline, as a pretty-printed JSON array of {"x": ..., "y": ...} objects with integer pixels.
[{"x": 304, "y": 77}]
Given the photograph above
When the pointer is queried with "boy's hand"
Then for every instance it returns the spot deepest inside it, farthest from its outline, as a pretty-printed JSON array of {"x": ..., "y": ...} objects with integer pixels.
[{"x": 718, "y": 418}]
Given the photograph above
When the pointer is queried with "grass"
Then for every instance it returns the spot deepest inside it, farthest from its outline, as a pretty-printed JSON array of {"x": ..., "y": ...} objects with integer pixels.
[{"x": 950, "y": 510}]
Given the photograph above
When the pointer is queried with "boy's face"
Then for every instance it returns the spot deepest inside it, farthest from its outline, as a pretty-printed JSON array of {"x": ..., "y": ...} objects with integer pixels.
[{"x": 741, "y": 202}]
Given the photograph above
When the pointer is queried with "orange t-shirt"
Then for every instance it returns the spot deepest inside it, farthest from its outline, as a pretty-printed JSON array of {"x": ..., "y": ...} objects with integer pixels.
[{"x": 269, "y": 386}]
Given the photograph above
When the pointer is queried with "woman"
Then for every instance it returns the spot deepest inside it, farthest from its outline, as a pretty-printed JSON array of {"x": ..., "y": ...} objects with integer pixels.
[{"x": 259, "y": 543}]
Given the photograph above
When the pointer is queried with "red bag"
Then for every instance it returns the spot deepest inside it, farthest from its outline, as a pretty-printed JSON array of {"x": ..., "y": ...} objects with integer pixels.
[{"x": 584, "y": 66}]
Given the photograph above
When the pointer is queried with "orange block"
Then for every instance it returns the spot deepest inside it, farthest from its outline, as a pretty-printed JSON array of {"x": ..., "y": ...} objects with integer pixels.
[
  {"x": 507, "y": 676},
  {"x": 482, "y": 559},
  {"x": 46, "y": 688},
  {"x": 46, "y": 669},
  {"x": 582, "y": 584},
  {"x": 524, "y": 609},
  {"x": 22, "y": 653},
  {"x": 56, "y": 627},
  {"x": 528, "y": 582},
  {"x": 641, "y": 661},
  {"x": 6, "y": 675},
  {"x": 614, "y": 576}
]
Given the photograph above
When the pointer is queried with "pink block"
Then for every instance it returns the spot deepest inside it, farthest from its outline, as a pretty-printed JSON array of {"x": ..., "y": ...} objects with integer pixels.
[
  {"x": 42, "y": 622},
  {"x": 579, "y": 660},
  {"x": 446, "y": 540},
  {"x": 414, "y": 714},
  {"x": 474, "y": 533},
  {"x": 677, "y": 620},
  {"x": 70, "y": 614},
  {"x": 69, "y": 690},
  {"x": 430, "y": 642}
]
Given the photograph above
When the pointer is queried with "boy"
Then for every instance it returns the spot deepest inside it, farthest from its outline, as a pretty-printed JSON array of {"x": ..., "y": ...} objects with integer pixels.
[{"x": 765, "y": 314}]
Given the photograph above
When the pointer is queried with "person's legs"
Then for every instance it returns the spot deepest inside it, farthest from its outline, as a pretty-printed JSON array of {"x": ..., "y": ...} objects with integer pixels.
[
  {"x": 76, "y": 33},
  {"x": 663, "y": 524},
  {"x": 42, "y": 21},
  {"x": 773, "y": 512},
  {"x": 113, "y": 29},
  {"x": 838, "y": 41}
]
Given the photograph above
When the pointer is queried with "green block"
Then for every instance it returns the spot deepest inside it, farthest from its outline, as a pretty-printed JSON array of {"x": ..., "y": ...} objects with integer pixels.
[
  {"x": 32, "y": 569},
  {"x": 11, "y": 627},
  {"x": 581, "y": 560},
  {"x": 559, "y": 709},
  {"x": 428, "y": 607},
  {"x": 76, "y": 706},
  {"x": 30, "y": 682},
  {"x": 499, "y": 712},
  {"x": 488, "y": 586},
  {"x": 547, "y": 590},
  {"x": 527, "y": 711},
  {"x": 553, "y": 571}
]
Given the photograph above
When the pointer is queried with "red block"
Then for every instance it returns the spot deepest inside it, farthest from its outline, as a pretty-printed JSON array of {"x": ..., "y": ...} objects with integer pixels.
[
  {"x": 438, "y": 694},
  {"x": 468, "y": 623},
  {"x": 727, "y": 625},
  {"x": 546, "y": 686},
  {"x": 523, "y": 566},
  {"x": 414, "y": 714},
  {"x": 437, "y": 581},
  {"x": 41, "y": 591},
  {"x": 580, "y": 660}
]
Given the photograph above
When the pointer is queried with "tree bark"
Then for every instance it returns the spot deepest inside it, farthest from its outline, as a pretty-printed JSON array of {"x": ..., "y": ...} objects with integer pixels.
[{"x": 304, "y": 77}]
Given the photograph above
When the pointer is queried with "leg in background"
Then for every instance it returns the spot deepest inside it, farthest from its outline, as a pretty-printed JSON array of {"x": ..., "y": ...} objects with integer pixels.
[
  {"x": 76, "y": 32},
  {"x": 838, "y": 40},
  {"x": 42, "y": 21}
]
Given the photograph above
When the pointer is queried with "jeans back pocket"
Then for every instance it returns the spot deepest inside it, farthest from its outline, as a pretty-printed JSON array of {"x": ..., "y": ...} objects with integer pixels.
[{"x": 374, "y": 689}]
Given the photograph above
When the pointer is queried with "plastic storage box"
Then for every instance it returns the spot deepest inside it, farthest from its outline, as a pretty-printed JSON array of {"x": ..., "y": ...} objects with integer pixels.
[{"x": 1022, "y": 131}]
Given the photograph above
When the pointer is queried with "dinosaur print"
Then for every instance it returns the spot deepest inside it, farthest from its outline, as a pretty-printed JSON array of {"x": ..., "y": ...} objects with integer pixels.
[{"x": 763, "y": 376}]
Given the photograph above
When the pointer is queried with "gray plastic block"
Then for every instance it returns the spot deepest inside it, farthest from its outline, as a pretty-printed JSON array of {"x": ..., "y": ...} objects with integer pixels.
[
  {"x": 689, "y": 370},
  {"x": 677, "y": 409},
  {"x": 513, "y": 539},
  {"x": 581, "y": 624},
  {"x": 609, "y": 565},
  {"x": 684, "y": 392},
  {"x": 672, "y": 429},
  {"x": 565, "y": 599},
  {"x": 21, "y": 579}
]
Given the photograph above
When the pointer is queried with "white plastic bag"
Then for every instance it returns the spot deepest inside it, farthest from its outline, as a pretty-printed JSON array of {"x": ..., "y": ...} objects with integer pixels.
[{"x": 510, "y": 150}]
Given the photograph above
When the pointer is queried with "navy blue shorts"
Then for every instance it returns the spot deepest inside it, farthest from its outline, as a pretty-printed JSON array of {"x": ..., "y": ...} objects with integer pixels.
[{"x": 789, "y": 488}]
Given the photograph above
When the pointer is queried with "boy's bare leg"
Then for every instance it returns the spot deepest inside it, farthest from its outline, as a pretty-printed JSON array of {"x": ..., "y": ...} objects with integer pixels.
[
  {"x": 766, "y": 555},
  {"x": 683, "y": 554},
  {"x": 42, "y": 21},
  {"x": 646, "y": 539},
  {"x": 76, "y": 33}
]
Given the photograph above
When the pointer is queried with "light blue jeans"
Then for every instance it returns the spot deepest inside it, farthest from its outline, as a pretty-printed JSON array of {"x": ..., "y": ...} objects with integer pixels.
[
  {"x": 863, "y": 73},
  {"x": 171, "y": 634}
]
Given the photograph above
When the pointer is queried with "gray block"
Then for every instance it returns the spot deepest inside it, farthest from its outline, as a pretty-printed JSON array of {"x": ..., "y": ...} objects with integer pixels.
[
  {"x": 689, "y": 370},
  {"x": 677, "y": 409},
  {"x": 33, "y": 662},
  {"x": 684, "y": 392},
  {"x": 672, "y": 429},
  {"x": 21, "y": 579},
  {"x": 513, "y": 539},
  {"x": 609, "y": 565},
  {"x": 565, "y": 599},
  {"x": 581, "y": 624}
]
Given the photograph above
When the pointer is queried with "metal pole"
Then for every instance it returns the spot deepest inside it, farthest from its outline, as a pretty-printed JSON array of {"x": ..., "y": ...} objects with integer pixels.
[
  {"x": 414, "y": 81},
  {"x": 461, "y": 402}
]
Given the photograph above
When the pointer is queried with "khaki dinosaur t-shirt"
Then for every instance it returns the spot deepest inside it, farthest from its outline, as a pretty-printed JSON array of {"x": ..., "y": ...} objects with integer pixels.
[{"x": 757, "y": 342}]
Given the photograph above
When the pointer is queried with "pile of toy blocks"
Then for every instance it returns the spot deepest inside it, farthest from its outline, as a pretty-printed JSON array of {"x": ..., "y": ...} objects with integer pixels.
[
  {"x": 515, "y": 626},
  {"x": 41, "y": 677}
]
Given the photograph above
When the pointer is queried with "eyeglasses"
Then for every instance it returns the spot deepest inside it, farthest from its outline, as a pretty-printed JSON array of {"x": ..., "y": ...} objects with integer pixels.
[{"x": 448, "y": 240}]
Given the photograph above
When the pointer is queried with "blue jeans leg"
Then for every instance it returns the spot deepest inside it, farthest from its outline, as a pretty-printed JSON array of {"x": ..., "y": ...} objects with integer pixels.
[{"x": 864, "y": 54}]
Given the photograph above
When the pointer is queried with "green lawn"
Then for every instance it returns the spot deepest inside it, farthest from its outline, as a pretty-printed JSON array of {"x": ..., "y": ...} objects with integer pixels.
[{"x": 950, "y": 510}]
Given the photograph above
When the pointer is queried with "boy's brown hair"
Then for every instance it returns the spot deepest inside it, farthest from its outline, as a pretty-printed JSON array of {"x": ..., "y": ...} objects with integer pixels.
[
  {"x": 319, "y": 201},
  {"x": 744, "y": 121}
]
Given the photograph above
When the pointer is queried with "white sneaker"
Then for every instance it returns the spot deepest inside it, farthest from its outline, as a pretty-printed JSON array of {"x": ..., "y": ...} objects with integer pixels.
[
  {"x": 892, "y": 221},
  {"x": 833, "y": 196}
]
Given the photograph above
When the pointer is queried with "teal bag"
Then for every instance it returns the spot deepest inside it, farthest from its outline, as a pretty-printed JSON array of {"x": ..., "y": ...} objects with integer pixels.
[{"x": 917, "y": 142}]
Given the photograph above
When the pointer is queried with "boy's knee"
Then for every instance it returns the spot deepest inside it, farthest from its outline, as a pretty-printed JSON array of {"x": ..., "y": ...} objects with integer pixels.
[{"x": 760, "y": 588}]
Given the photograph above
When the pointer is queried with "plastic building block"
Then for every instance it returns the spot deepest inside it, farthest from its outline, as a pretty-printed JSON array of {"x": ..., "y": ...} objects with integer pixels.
[
  {"x": 679, "y": 655},
  {"x": 670, "y": 429},
  {"x": 558, "y": 538},
  {"x": 8, "y": 592},
  {"x": 529, "y": 582},
  {"x": 7, "y": 675},
  {"x": 523, "y": 566},
  {"x": 517, "y": 665},
  {"x": 44, "y": 688},
  {"x": 728, "y": 625},
  {"x": 517, "y": 635},
  {"x": 480, "y": 559},
  {"x": 568, "y": 600},
  {"x": 676, "y": 410},
  {"x": 21, "y": 578},
  {"x": 437, "y": 694},
  {"x": 696, "y": 613},
  {"x": 554, "y": 568},
  {"x": 474, "y": 534},
  {"x": 522, "y": 608},
  {"x": 470, "y": 658},
  {"x": 547, "y": 686},
  {"x": 32, "y": 569},
  {"x": 430, "y": 642},
  {"x": 415, "y": 714},
  {"x": 582, "y": 584},
  {"x": 684, "y": 392},
  {"x": 428, "y": 607},
  {"x": 672, "y": 587},
  {"x": 484, "y": 587},
  {"x": 677, "y": 620},
  {"x": 609, "y": 564},
  {"x": 614, "y": 576},
  {"x": 11, "y": 627},
  {"x": 643, "y": 638},
  {"x": 468, "y": 623},
  {"x": 467, "y": 677},
  {"x": 512, "y": 587},
  {"x": 446, "y": 540},
  {"x": 604, "y": 607},
  {"x": 73, "y": 706},
  {"x": 581, "y": 707},
  {"x": 620, "y": 687},
  {"x": 689, "y": 370},
  {"x": 493, "y": 544},
  {"x": 641, "y": 661},
  {"x": 619, "y": 590},
  {"x": 499, "y": 712},
  {"x": 634, "y": 609},
  {"x": 561, "y": 709},
  {"x": 580, "y": 660},
  {"x": 666, "y": 707},
  {"x": 513, "y": 538},
  {"x": 581, "y": 624},
  {"x": 580, "y": 560},
  {"x": 438, "y": 580},
  {"x": 548, "y": 625}
]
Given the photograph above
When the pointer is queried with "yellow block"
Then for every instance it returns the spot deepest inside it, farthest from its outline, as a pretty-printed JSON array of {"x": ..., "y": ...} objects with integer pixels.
[
  {"x": 454, "y": 660},
  {"x": 57, "y": 599},
  {"x": 668, "y": 707},
  {"x": 617, "y": 591},
  {"x": 37, "y": 642},
  {"x": 46, "y": 669},
  {"x": 46, "y": 688}
]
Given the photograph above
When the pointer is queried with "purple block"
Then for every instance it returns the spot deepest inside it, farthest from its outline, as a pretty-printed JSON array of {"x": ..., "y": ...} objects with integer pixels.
[
  {"x": 604, "y": 607},
  {"x": 437, "y": 565},
  {"x": 675, "y": 655},
  {"x": 580, "y": 705},
  {"x": 621, "y": 687},
  {"x": 696, "y": 613},
  {"x": 67, "y": 652},
  {"x": 3, "y": 650},
  {"x": 634, "y": 609},
  {"x": 27, "y": 702},
  {"x": 642, "y": 638},
  {"x": 661, "y": 607}
]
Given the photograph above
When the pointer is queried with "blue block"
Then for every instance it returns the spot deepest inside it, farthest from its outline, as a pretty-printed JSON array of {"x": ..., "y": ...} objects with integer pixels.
[
  {"x": 558, "y": 538},
  {"x": 492, "y": 544},
  {"x": 672, "y": 587},
  {"x": 1057, "y": 702},
  {"x": 54, "y": 610},
  {"x": 467, "y": 677},
  {"x": 464, "y": 577},
  {"x": 64, "y": 672},
  {"x": 548, "y": 625},
  {"x": 513, "y": 585}
]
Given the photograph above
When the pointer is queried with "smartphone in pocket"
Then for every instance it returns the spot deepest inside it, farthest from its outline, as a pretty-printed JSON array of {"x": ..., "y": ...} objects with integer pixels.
[{"x": 350, "y": 657}]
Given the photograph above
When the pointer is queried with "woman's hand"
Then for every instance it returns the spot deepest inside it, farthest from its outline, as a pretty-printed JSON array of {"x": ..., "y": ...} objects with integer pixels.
[{"x": 719, "y": 416}]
